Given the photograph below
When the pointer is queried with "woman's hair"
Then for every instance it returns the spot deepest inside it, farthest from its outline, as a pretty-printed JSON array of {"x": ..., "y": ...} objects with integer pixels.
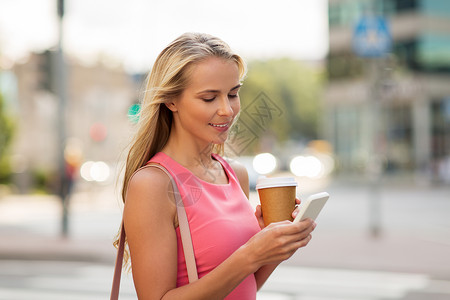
[{"x": 168, "y": 78}]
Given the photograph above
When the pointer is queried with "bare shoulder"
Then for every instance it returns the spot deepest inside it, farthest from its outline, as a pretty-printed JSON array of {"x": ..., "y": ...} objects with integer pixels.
[
  {"x": 241, "y": 174},
  {"x": 149, "y": 178},
  {"x": 148, "y": 190},
  {"x": 239, "y": 169}
]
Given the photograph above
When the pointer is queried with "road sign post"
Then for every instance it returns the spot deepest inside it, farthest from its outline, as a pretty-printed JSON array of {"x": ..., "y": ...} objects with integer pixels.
[
  {"x": 371, "y": 37},
  {"x": 372, "y": 40}
]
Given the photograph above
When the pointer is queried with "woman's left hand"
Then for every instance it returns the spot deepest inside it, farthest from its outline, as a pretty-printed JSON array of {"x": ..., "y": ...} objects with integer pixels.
[{"x": 258, "y": 213}]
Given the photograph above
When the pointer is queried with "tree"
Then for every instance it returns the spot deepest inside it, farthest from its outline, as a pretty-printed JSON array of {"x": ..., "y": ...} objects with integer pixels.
[
  {"x": 6, "y": 133},
  {"x": 293, "y": 88}
]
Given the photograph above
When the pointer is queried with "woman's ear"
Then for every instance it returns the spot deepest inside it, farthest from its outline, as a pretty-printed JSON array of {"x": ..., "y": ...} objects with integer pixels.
[{"x": 171, "y": 105}]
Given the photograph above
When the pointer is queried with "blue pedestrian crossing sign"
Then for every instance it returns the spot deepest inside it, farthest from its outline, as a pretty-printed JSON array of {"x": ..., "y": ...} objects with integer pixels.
[{"x": 371, "y": 37}]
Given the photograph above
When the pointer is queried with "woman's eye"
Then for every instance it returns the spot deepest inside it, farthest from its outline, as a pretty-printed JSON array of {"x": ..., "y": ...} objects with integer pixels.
[
  {"x": 209, "y": 99},
  {"x": 233, "y": 96}
]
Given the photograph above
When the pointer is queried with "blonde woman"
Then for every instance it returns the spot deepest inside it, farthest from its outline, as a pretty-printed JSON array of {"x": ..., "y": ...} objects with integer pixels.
[{"x": 191, "y": 101}]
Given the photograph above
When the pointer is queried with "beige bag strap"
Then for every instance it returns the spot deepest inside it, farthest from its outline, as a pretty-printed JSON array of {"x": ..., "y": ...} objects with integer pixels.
[{"x": 185, "y": 239}]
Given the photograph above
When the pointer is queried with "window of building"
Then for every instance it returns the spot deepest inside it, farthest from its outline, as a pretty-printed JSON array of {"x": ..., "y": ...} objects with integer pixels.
[
  {"x": 347, "y": 137},
  {"x": 347, "y": 12},
  {"x": 406, "y": 53},
  {"x": 435, "y": 7},
  {"x": 433, "y": 52},
  {"x": 397, "y": 120},
  {"x": 440, "y": 145},
  {"x": 428, "y": 53},
  {"x": 404, "y": 5},
  {"x": 440, "y": 111}
]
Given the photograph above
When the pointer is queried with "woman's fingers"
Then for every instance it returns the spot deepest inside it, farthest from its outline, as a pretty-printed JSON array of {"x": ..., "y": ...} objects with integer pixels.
[
  {"x": 258, "y": 215},
  {"x": 296, "y": 210},
  {"x": 288, "y": 228},
  {"x": 288, "y": 233},
  {"x": 258, "y": 211},
  {"x": 279, "y": 241}
]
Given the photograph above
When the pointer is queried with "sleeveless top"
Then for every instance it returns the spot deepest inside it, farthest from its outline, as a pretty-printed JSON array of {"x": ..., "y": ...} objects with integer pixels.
[{"x": 220, "y": 218}]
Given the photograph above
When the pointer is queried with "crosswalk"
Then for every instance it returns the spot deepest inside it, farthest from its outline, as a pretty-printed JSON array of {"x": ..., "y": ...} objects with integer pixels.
[{"x": 51, "y": 280}]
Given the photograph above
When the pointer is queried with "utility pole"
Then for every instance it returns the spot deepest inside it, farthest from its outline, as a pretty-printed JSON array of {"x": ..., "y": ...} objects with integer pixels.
[{"x": 61, "y": 93}]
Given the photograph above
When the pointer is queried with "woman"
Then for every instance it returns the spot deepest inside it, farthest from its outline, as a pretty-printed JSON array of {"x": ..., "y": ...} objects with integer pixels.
[{"x": 190, "y": 103}]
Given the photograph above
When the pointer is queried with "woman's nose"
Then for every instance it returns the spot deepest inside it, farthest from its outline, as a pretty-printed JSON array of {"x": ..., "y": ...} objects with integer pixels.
[{"x": 225, "y": 108}]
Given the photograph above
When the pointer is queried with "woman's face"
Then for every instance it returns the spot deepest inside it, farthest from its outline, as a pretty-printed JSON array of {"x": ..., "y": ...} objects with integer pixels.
[{"x": 206, "y": 108}]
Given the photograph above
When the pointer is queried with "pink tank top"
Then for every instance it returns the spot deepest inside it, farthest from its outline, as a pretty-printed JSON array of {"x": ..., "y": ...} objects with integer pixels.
[{"x": 221, "y": 220}]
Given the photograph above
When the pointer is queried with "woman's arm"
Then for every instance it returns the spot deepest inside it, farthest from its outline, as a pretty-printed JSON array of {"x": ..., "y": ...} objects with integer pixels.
[
  {"x": 149, "y": 223},
  {"x": 151, "y": 236},
  {"x": 265, "y": 271}
]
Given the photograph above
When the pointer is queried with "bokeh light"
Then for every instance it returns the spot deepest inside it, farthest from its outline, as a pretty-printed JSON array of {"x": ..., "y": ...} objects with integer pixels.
[
  {"x": 264, "y": 163},
  {"x": 97, "y": 171},
  {"x": 307, "y": 166}
]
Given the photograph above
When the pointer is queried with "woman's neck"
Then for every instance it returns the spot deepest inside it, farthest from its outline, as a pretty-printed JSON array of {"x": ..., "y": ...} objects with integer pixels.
[{"x": 188, "y": 153}]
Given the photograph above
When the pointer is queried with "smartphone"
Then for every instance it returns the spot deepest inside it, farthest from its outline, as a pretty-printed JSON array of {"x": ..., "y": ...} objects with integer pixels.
[{"x": 312, "y": 206}]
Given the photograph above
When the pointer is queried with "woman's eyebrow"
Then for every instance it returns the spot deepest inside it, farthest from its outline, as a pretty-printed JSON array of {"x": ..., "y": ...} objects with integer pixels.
[
  {"x": 236, "y": 87},
  {"x": 218, "y": 91}
]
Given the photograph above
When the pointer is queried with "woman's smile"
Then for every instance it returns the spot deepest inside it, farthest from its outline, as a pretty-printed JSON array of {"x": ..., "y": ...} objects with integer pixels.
[{"x": 221, "y": 126}]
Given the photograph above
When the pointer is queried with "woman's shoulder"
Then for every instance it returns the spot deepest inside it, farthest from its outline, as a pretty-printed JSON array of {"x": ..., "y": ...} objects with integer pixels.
[
  {"x": 241, "y": 174},
  {"x": 149, "y": 180},
  {"x": 148, "y": 194},
  {"x": 238, "y": 168},
  {"x": 149, "y": 172}
]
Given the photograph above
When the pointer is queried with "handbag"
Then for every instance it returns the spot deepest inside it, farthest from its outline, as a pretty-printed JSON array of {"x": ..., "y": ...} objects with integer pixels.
[{"x": 185, "y": 239}]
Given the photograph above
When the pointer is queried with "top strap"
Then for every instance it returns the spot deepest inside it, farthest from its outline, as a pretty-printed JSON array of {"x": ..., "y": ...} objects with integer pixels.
[{"x": 185, "y": 233}]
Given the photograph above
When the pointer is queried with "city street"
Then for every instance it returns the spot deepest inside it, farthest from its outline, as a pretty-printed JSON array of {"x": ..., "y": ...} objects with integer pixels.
[
  {"x": 407, "y": 260},
  {"x": 351, "y": 97},
  {"x": 88, "y": 281}
]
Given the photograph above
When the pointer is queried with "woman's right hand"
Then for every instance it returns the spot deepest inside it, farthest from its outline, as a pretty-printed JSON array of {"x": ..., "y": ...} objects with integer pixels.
[{"x": 278, "y": 242}]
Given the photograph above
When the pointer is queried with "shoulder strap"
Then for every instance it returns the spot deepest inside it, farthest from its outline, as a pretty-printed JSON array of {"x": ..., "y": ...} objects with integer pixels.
[
  {"x": 185, "y": 239},
  {"x": 185, "y": 232},
  {"x": 118, "y": 265}
]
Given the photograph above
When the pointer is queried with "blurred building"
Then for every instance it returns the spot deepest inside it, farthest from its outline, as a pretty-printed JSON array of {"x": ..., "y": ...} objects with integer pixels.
[
  {"x": 395, "y": 108},
  {"x": 97, "y": 126}
]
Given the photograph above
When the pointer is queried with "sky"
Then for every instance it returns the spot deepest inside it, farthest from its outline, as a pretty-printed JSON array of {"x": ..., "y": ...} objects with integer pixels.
[{"x": 133, "y": 32}]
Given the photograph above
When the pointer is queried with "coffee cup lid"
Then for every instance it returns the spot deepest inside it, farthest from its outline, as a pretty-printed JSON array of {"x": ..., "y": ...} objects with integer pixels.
[{"x": 269, "y": 182}]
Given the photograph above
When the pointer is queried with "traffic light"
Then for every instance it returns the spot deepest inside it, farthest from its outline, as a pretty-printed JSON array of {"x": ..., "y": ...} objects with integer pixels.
[
  {"x": 47, "y": 71},
  {"x": 61, "y": 8},
  {"x": 133, "y": 112}
]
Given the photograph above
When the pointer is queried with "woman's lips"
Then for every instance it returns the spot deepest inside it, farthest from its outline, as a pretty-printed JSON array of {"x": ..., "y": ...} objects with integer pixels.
[{"x": 220, "y": 127}]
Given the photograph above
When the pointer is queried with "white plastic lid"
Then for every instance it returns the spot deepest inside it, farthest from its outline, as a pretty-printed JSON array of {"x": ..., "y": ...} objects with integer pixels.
[{"x": 269, "y": 182}]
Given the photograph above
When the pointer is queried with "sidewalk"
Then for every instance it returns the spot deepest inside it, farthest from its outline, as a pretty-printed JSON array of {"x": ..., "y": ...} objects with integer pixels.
[{"x": 30, "y": 228}]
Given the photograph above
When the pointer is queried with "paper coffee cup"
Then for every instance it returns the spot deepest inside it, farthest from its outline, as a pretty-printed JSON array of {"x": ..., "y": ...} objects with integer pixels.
[{"x": 277, "y": 197}]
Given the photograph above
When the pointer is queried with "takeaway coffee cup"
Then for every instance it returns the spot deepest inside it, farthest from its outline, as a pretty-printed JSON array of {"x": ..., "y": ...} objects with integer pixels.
[{"x": 277, "y": 197}]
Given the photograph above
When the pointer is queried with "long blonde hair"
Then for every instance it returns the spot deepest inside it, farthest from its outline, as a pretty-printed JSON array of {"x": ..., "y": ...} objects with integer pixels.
[{"x": 166, "y": 81}]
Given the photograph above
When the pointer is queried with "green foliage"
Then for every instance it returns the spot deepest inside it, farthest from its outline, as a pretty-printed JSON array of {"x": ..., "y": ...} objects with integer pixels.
[
  {"x": 41, "y": 181},
  {"x": 6, "y": 133},
  {"x": 291, "y": 86}
]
